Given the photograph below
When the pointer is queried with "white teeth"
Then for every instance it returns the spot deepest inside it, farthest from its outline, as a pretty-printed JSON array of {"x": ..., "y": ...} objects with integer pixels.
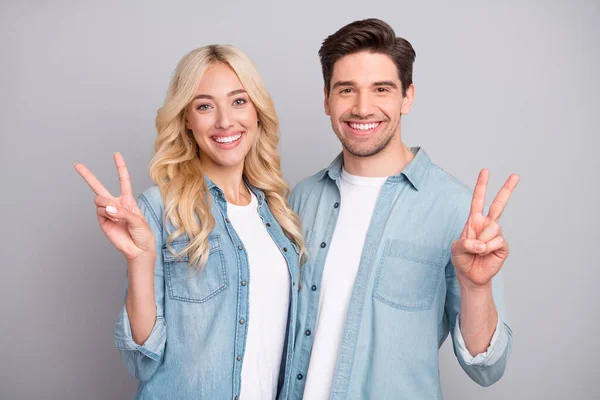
[
  {"x": 364, "y": 127},
  {"x": 227, "y": 139}
]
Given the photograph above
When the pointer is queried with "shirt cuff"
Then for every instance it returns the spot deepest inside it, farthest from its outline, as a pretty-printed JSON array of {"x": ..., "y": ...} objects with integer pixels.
[
  {"x": 499, "y": 340},
  {"x": 153, "y": 346}
]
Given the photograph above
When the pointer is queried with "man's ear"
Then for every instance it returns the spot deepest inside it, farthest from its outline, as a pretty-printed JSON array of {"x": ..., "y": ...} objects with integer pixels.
[{"x": 408, "y": 99}]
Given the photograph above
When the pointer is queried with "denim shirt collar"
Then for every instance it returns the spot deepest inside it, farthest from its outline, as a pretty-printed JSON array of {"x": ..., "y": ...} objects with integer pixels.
[
  {"x": 413, "y": 172},
  {"x": 213, "y": 188}
]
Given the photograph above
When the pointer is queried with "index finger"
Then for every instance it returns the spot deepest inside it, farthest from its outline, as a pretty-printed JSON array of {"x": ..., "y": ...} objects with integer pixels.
[
  {"x": 91, "y": 180},
  {"x": 124, "y": 178},
  {"x": 499, "y": 203},
  {"x": 478, "y": 202}
]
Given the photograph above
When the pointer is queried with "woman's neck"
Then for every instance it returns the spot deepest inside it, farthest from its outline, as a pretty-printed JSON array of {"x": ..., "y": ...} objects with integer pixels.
[{"x": 230, "y": 180}]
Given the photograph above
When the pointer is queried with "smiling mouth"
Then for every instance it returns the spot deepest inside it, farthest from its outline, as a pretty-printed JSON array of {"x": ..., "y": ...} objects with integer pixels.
[
  {"x": 226, "y": 139},
  {"x": 363, "y": 128}
]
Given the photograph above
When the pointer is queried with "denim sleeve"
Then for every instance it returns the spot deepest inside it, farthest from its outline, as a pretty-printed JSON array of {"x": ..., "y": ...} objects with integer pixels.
[
  {"x": 488, "y": 367},
  {"x": 461, "y": 346},
  {"x": 142, "y": 361}
]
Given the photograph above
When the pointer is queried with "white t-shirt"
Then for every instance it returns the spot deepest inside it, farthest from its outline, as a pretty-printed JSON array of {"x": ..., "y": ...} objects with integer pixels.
[
  {"x": 358, "y": 198},
  {"x": 269, "y": 300}
]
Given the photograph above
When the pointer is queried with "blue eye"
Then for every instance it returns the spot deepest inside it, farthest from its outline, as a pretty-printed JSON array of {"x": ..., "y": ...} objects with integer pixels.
[
  {"x": 203, "y": 107},
  {"x": 239, "y": 102}
]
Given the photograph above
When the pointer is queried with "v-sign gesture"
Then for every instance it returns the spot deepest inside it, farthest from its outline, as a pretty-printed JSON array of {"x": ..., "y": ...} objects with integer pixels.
[
  {"x": 481, "y": 250},
  {"x": 120, "y": 218}
]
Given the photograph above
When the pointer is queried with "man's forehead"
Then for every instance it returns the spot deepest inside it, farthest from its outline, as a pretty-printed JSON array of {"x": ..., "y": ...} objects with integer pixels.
[{"x": 365, "y": 67}]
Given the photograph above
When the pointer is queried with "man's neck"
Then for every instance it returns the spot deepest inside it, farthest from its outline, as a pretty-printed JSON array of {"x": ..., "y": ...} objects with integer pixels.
[{"x": 388, "y": 162}]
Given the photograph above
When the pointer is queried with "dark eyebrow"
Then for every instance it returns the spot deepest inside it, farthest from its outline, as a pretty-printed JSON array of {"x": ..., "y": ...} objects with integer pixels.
[
  {"x": 343, "y": 83},
  {"x": 386, "y": 83},
  {"x": 207, "y": 96},
  {"x": 352, "y": 83}
]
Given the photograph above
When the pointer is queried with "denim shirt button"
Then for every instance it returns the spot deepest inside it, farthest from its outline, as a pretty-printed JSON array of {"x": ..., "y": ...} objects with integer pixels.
[
  {"x": 323, "y": 244},
  {"x": 268, "y": 225},
  {"x": 285, "y": 249},
  {"x": 242, "y": 321},
  {"x": 239, "y": 358},
  {"x": 243, "y": 283},
  {"x": 240, "y": 247},
  {"x": 227, "y": 220},
  {"x": 314, "y": 288},
  {"x": 307, "y": 333},
  {"x": 300, "y": 376},
  {"x": 336, "y": 205}
]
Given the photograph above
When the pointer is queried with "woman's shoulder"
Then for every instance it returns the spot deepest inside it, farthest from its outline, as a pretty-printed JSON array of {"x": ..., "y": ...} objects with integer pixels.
[
  {"x": 150, "y": 202},
  {"x": 152, "y": 194}
]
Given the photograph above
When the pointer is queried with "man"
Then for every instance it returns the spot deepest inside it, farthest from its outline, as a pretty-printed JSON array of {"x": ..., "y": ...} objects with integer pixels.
[{"x": 399, "y": 252}]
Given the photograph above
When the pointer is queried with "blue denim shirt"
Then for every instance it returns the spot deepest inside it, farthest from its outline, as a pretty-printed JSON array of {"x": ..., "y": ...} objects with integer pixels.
[
  {"x": 196, "y": 348},
  {"x": 406, "y": 298}
]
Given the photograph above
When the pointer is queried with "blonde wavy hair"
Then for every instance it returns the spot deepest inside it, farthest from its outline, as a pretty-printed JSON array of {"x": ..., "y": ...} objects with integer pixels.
[{"x": 176, "y": 167}]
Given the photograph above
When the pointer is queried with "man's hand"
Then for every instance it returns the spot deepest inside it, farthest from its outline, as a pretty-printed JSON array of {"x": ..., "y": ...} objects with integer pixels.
[{"x": 481, "y": 250}]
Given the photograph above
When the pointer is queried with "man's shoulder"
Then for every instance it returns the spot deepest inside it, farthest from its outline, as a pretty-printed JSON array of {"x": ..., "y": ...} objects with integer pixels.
[
  {"x": 448, "y": 197},
  {"x": 309, "y": 182},
  {"x": 305, "y": 187},
  {"x": 441, "y": 184}
]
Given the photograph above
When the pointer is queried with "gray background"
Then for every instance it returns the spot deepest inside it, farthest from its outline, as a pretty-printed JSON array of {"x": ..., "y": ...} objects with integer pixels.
[{"x": 511, "y": 87}]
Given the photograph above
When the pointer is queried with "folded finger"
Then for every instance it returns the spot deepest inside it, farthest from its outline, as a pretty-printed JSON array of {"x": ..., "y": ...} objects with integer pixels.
[
  {"x": 498, "y": 244},
  {"x": 103, "y": 215},
  {"x": 490, "y": 232},
  {"x": 468, "y": 246}
]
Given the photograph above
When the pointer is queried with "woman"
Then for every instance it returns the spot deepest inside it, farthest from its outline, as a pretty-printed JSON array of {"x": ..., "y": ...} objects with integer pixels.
[{"x": 213, "y": 249}]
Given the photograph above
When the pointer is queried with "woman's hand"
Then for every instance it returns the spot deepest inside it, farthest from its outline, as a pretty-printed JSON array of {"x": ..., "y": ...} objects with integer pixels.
[{"x": 120, "y": 218}]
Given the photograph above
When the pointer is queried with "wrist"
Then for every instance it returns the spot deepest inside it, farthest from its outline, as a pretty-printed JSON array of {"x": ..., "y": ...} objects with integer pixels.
[
  {"x": 143, "y": 262},
  {"x": 475, "y": 290}
]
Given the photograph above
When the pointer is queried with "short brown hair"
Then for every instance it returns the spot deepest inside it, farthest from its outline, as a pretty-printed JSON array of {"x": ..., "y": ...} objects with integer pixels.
[{"x": 372, "y": 35}]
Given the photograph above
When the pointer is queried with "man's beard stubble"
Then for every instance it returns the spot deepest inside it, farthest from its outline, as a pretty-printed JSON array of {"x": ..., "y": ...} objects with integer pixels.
[{"x": 383, "y": 141}]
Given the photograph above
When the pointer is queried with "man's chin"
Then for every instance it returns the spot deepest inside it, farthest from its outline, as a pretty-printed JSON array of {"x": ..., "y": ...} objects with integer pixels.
[
  {"x": 362, "y": 151},
  {"x": 365, "y": 148}
]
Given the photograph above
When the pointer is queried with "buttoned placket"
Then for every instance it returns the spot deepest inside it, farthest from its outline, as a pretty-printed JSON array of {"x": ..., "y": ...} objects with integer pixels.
[
  {"x": 242, "y": 289},
  {"x": 313, "y": 297}
]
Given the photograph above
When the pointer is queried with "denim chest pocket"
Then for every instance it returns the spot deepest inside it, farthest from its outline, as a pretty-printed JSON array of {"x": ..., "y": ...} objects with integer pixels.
[
  {"x": 408, "y": 275},
  {"x": 186, "y": 283}
]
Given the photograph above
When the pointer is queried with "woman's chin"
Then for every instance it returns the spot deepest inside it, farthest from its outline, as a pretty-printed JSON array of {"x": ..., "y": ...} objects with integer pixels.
[{"x": 228, "y": 160}]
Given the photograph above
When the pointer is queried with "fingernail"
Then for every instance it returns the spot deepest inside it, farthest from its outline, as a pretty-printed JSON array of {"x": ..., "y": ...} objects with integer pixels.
[
  {"x": 111, "y": 209},
  {"x": 480, "y": 247}
]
